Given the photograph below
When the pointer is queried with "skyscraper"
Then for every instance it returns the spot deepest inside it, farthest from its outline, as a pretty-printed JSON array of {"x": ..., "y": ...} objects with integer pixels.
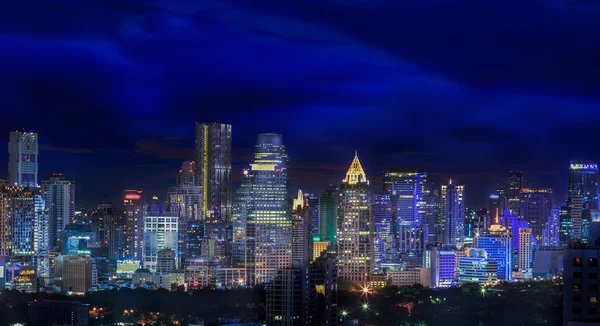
[
  {"x": 301, "y": 230},
  {"x": 525, "y": 249},
  {"x": 515, "y": 184},
  {"x": 572, "y": 226},
  {"x": 268, "y": 225},
  {"x": 384, "y": 244},
  {"x": 355, "y": 226},
  {"x": 105, "y": 224},
  {"x": 535, "y": 206},
  {"x": 406, "y": 187},
  {"x": 213, "y": 168},
  {"x": 432, "y": 216},
  {"x": 583, "y": 180},
  {"x": 315, "y": 224},
  {"x": 59, "y": 194},
  {"x": 133, "y": 212},
  {"x": 552, "y": 229},
  {"x": 443, "y": 267},
  {"x": 160, "y": 232},
  {"x": 328, "y": 214},
  {"x": 497, "y": 242},
  {"x": 23, "y": 159},
  {"x": 453, "y": 208}
]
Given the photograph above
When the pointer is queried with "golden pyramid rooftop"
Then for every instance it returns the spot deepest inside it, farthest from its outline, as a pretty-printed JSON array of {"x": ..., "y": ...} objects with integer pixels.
[{"x": 355, "y": 173}]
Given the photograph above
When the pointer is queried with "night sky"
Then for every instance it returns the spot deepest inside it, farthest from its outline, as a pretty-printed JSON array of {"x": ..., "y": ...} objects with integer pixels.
[{"x": 468, "y": 89}]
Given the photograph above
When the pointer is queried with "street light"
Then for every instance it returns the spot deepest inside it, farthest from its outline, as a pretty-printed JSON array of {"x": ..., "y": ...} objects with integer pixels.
[
  {"x": 365, "y": 306},
  {"x": 344, "y": 313}
]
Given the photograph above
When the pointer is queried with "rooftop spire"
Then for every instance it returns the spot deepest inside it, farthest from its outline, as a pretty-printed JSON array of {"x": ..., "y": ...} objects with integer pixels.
[{"x": 355, "y": 173}]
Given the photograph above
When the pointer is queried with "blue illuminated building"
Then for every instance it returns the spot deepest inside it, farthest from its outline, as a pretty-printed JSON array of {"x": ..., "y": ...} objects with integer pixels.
[
  {"x": 583, "y": 180},
  {"x": 497, "y": 242}
]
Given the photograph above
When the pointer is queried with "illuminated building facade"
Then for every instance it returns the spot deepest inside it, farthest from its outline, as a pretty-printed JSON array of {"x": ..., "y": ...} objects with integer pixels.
[
  {"x": 443, "y": 267},
  {"x": 133, "y": 212},
  {"x": 315, "y": 226},
  {"x": 583, "y": 180},
  {"x": 59, "y": 194},
  {"x": 497, "y": 242},
  {"x": 525, "y": 249},
  {"x": 412, "y": 240},
  {"x": 328, "y": 205},
  {"x": 355, "y": 226},
  {"x": 453, "y": 209},
  {"x": 477, "y": 268},
  {"x": 301, "y": 231},
  {"x": 515, "y": 184},
  {"x": 432, "y": 216},
  {"x": 535, "y": 206},
  {"x": 23, "y": 159},
  {"x": 551, "y": 236},
  {"x": 73, "y": 273},
  {"x": 406, "y": 187},
  {"x": 213, "y": 168},
  {"x": 384, "y": 244},
  {"x": 160, "y": 232},
  {"x": 268, "y": 224}
]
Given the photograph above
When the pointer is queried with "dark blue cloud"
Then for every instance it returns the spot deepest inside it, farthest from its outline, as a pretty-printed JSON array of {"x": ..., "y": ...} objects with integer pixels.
[{"x": 467, "y": 88}]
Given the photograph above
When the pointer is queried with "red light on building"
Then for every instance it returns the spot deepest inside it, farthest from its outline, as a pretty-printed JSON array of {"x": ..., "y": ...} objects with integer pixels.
[{"x": 133, "y": 197}]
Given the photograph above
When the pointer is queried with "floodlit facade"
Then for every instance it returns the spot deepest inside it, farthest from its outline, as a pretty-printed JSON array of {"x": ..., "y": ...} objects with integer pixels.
[
  {"x": 59, "y": 194},
  {"x": 160, "y": 232},
  {"x": 213, "y": 168},
  {"x": 443, "y": 268},
  {"x": 583, "y": 180},
  {"x": 551, "y": 236},
  {"x": 497, "y": 242},
  {"x": 453, "y": 210},
  {"x": 406, "y": 187},
  {"x": 23, "y": 159},
  {"x": 477, "y": 268},
  {"x": 355, "y": 226},
  {"x": 133, "y": 212},
  {"x": 525, "y": 249},
  {"x": 328, "y": 205}
]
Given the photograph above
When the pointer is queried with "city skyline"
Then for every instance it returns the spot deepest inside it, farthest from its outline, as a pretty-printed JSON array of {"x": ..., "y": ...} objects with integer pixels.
[{"x": 468, "y": 103}]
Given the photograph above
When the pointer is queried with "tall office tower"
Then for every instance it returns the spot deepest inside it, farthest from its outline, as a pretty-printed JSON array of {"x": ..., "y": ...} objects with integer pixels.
[
  {"x": 494, "y": 209},
  {"x": 59, "y": 194},
  {"x": 515, "y": 184},
  {"x": 5, "y": 224},
  {"x": 501, "y": 191},
  {"x": 133, "y": 212},
  {"x": 583, "y": 180},
  {"x": 443, "y": 267},
  {"x": 165, "y": 261},
  {"x": 213, "y": 168},
  {"x": 268, "y": 224},
  {"x": 525, "y": 249},
  {"x": 552, "y": 229},
  {"x": 238, "y": 222},
  {"x": 407, "y": 188},
  {"x": 535, "y": 206},
  {"x": 323, "y": 291},
  {"x": 186, "y": 199},
  {"x": 160, "y": 232},
  {"x": 104, "y": 223},
  {"x": 383, "y": 239},
  {"x": 574, "y": 211},
  {"x": 23, "y": 159},
  {"x": 497, "y": 242},
  {"x": 41, "y": 237},
  {"x": 432, "y": 216},
  {"x": 453, "y": 210},
  {"x": 301, "y": 230},
  {"x": 581, "y": 291},
  {"x": 285, "y": 294},
  {"x": 328, "y": 205},
  {"x": 313, "y": 203},
  {"x": 355, "y": 226}
]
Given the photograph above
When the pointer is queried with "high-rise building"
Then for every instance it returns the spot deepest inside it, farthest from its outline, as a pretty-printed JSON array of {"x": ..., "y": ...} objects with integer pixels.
[
  {"x": 412, "y": 240},
  {"x": 58, "y": 313},
  {"x": 105, "y": 224},
  {"x": 384, "y": 241},
  {"x": 165, "y": 261},
  {"x": 407, "y": 188},
  {"x": 213, "y": 168},
  {"x": 477, "y": 268},
  {"x": 583, "y": 180},
  {"x": 133, "y": 212},
  {"x": 23, "y": 159},
  {"x": 323, "y": 291},
  {"x": 552, "y": 229},
  {"x": 301, "y": 231},
  {"x": 515, "y": 184},
  {"x": 497, "y": 242},
  {"x": 186, "y": 199},
  {"x": 268, "y": 224},
  {"x": 581, "y": 291},
  {"x": 355, "y": 226},
  {"x": 160, "y": 232},
  {"x": 572, "y": 226},
  {"x": 453, "y": 208},
  {"x": 443, "y": 267},
  {"x": 73, "y": 273},
  {"x": 59, "y": 194},
  {"x": 432, "y": 216},
  {"x": 535, "y": 206},
  {"x": 525, "y": 249},
  {"x": 328, "y": 205},
  {"x": 315, "y": 211}
]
